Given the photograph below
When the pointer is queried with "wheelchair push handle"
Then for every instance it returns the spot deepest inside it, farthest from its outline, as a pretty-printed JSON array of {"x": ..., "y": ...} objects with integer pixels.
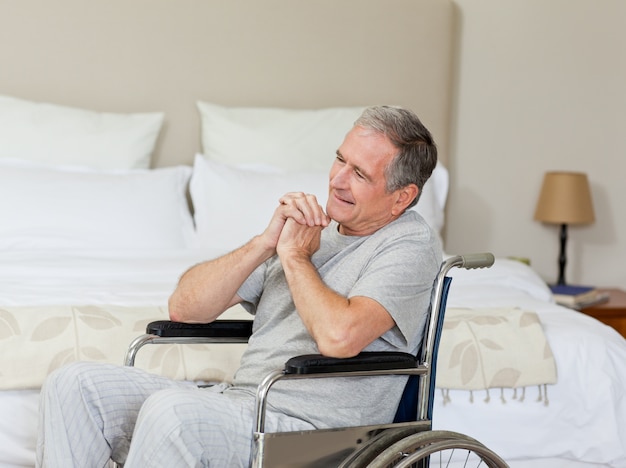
[
  {"x": 477, "y": 260},
  {"x": 468, "y": 261}
]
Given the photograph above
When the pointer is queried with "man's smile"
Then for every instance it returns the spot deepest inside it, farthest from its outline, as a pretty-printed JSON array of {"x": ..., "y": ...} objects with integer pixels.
[{"x": 341, "y": 199}]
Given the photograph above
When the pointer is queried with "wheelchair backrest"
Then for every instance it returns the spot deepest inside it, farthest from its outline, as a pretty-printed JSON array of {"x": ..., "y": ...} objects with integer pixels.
[{"x": 408, "y": 407}]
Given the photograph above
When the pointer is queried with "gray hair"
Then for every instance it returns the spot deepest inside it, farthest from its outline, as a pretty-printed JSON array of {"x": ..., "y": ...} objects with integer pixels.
[{"x": 417, "y": 152}]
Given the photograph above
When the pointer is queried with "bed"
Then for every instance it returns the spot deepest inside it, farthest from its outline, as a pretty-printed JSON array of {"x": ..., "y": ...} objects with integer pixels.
[{"x": 169, "y": 148}]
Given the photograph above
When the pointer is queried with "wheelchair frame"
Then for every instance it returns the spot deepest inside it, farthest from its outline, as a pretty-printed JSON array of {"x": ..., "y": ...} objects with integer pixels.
[{"x": 395, "y": 444}]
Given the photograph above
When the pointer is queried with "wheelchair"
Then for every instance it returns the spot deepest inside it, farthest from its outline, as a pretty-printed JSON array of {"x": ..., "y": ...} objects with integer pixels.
[{"x": 408, "y": 441}]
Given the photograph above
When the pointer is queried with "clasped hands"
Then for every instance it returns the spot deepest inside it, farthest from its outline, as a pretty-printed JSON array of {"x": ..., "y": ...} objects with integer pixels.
[{"x": 296, "y": 226}]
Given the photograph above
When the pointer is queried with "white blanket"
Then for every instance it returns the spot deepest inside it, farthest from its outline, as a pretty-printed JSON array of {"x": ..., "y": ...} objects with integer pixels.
[
  {"x": 585, "y": 420},
  {"x": 586, "y": 416}
]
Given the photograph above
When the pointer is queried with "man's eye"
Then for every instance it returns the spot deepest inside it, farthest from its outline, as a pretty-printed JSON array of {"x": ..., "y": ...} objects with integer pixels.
[{"x": 359, "y": 175}]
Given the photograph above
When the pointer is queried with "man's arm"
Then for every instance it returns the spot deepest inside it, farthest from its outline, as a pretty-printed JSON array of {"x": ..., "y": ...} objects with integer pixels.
[
  {"x": 206, "y": 290},
  {"x": 341, "y": 327},
  {"x": 209, "y": 288}
]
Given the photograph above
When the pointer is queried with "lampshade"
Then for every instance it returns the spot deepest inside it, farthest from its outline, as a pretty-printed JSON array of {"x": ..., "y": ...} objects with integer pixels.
[{"x": 565, "y": 198}]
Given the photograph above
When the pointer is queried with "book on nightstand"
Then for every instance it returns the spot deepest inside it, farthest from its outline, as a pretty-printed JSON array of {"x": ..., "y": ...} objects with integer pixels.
[{"x": 577, "y": 297}]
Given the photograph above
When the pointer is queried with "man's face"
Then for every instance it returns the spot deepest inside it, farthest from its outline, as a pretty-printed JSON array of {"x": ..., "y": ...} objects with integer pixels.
[{"x": 357, "y": 197}]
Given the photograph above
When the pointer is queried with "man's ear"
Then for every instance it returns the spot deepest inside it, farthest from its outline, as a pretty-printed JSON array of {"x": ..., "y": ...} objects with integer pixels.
[{"x": 405, "y": 196}]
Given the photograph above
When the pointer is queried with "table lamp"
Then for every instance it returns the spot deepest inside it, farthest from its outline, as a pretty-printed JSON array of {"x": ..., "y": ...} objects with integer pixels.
[{"x": 565, "y": 198}]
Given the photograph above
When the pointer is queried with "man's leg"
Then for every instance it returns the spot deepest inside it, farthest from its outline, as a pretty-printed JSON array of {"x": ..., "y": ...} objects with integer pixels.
[
  {"x": 195, "y": 427},
  {"x": 199, "y": 428},
  {"x": 88, "y": 413}
]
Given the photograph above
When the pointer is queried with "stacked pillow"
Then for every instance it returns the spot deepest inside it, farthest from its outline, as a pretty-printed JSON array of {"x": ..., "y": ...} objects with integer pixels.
[
  {"x": 252, "y": 156},
  {"x": 73, "y": 178},
  {"x": 61, "y": 135}
]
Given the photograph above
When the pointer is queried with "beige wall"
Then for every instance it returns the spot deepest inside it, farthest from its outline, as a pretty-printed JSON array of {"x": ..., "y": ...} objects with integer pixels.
[
  {"x": 164, "y": 55},
  {"x": 541, "y": 86}
]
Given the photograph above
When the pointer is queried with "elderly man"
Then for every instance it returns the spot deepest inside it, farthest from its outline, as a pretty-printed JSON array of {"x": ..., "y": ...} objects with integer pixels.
[{"x": 354, "y": 276}]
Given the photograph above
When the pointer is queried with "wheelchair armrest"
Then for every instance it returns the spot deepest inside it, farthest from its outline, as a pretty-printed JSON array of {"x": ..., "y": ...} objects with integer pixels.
[
  {"x": 365, "y": 361},
  {"x": 217, "y": 329}
]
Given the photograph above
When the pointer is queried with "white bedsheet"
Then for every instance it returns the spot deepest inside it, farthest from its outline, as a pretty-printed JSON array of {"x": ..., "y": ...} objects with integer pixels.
[
  {"x": 139, "y": 277},
  {"x": 40, "y": 278},
  {"x": 585, "y": 416},
  {"x": 585, "y": 419}
]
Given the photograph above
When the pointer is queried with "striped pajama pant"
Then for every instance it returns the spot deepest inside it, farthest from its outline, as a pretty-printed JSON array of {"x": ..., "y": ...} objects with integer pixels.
[{"x": 91, "y": 413}]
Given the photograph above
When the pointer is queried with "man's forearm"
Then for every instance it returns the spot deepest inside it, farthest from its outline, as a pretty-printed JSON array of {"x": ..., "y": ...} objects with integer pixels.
[
  {"x": 323, "y": 311},
  {"x": 209, "y": 288}
]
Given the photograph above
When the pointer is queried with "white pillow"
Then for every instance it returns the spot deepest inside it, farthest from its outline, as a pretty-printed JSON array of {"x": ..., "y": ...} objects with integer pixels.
[
  {"x": 61, "y": 135},
  {"x": 50, "y": 208},
  {"x": 432, "y": 203},
  {"x": 303, "y": 140},
  {"x": 233, "y": 204},
  {"x": 290, "y": 139}
]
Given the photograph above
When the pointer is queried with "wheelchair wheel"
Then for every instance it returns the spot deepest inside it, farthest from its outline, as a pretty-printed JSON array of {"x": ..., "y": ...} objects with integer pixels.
[
  {"x": 434, "y": 449},
  {"x": 374, "y": 447}
]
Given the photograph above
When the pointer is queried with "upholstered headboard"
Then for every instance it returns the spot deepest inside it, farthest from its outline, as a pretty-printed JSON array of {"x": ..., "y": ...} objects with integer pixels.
[{"x": 164, "y": 55}]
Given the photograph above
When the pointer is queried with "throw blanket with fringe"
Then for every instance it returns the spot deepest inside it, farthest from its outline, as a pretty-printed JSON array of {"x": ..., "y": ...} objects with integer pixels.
[
  {"x": 36, "y": 340},
  {"x": 494, "y": 348},
  {"x": 480, "y": 349}
]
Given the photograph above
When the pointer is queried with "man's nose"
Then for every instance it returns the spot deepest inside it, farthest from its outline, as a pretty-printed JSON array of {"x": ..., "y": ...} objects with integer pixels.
[{"x": 338, "y": 179}]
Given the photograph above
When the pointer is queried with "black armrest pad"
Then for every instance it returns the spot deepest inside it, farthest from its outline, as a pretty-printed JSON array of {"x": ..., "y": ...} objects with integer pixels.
[
  {"x": 316, "y": 363},
  {"x": 217, "y": 329}
]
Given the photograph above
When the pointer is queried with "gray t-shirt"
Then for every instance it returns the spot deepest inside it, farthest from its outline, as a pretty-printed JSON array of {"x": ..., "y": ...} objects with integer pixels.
[{"x": 396, "y": 267}]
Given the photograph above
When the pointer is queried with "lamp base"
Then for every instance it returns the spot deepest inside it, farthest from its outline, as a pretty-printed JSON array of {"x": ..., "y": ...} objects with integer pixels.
[{"x": 562, "y": 255}]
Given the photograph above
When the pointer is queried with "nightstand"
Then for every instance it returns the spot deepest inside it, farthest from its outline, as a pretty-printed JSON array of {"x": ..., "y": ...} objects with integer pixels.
[{"x": 612, "y": 312}]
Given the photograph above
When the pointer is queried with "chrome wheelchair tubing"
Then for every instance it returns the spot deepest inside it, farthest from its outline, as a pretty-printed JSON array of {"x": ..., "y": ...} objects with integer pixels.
[
  {"x": 360, "y": 436},
  {"x": 273, "y": 377},
  {"x": 135, "y": 346},
  {"x": 471, "y": 261},
  {"x": 482, "y": 260},
  {"x": 140, "y": 341}
]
